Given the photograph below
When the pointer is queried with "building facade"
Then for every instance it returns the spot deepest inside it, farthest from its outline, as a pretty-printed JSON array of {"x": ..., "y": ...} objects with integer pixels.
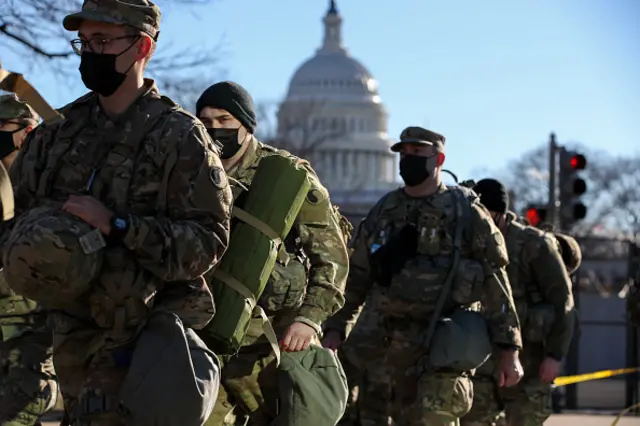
[{"x": 333, "y": 116}]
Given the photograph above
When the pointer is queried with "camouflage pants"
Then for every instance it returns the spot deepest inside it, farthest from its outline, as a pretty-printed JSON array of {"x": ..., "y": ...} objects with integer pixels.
[
  {"x": 90, "y": 375},
  {"x": 393, "y": 389},
  {"x": 28, "y": 386},
  {"x": 249, "y": 386},
  {"x": 526, "y": 404}
]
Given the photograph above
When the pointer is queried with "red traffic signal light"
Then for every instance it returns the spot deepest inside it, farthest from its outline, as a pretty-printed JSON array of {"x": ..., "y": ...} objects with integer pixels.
[
  {"x": 578, "y": 162},
  {"x": 536, "y": 215},
  {"x": 532, "y": 216}
]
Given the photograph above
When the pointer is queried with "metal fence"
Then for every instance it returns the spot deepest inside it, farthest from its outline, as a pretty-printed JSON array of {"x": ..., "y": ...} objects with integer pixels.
[{"x": 604, "y": 339}]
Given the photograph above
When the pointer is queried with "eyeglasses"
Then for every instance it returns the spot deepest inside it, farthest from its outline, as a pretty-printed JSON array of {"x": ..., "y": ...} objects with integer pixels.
[{"x": 95, "y": 45}]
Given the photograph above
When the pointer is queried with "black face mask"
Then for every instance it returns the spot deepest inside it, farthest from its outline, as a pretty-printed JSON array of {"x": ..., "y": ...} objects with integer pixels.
[
  {"x": 6, "y": 142},
  {"x": 98, "y": 72},
  {"x": 415, "y": 169},
  {"x": 228, "y": 138}
]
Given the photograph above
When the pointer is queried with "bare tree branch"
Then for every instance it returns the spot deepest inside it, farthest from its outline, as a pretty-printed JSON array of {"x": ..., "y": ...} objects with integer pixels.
[
  {"x": 34, "y": 29},
  {"x": 613, "y": 188}
]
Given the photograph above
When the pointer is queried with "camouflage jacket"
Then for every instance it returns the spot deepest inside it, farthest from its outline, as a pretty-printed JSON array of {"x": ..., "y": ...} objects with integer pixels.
[
  {"x": 18, "y": 314},
  {"x": 412, "y": 293},
  {"x": 538, "y": 275},
  {"x": 156, "y": 164},
  {"x": 308, "y": 280}
]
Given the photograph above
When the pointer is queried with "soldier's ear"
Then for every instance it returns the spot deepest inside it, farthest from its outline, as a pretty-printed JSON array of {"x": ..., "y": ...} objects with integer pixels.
[
  {"x": 144, "y": 47},
  {"x": 440, "y": 159}
]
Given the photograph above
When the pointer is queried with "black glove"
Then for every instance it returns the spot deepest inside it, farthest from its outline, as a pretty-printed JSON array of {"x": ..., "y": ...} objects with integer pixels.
[{"x": 389, "y": 259}]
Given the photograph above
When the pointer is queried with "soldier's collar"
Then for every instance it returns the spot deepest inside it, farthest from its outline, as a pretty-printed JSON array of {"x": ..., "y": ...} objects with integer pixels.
[
  {"x": 150, "y": 88},
  {"x": 248, "y": 158}
]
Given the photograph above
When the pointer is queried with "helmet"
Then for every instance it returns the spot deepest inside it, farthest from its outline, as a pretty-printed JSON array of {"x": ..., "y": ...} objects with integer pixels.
[
  {"x": 570, "y": 251},
  {"x": 44, "y": 261}
]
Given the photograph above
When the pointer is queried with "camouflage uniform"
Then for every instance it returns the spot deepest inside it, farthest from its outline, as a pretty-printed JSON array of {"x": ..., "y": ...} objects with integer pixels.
[
  {"x": 306, "y": 286},
  {"x": 386, "y": 343},
  {"x": 155, "y": 165},
  {"x": 28, "y": 386},
  {"x": 544, "y": 301}
]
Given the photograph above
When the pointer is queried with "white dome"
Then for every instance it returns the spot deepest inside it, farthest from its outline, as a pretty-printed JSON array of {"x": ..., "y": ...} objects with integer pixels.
[
  {"x": 333, "y": 116},
  {"x": 333, "y": 75}
]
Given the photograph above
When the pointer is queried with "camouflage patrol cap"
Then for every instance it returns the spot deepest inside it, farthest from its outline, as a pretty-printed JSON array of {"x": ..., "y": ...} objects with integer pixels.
[
  {"x": 143, "y": 15},
  {"x": 418, "y": 135},
  {"x": 12, "y": 108},
  {"x": 44, "y": 261},
  {"x": 570, "y": 251}
]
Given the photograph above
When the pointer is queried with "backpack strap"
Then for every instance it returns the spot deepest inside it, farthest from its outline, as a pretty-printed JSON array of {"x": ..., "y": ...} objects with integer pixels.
[
  {"x": 16, "y": 83},
  {"x": 463, "y": 214},
  {"x": 6, "y": 195}
]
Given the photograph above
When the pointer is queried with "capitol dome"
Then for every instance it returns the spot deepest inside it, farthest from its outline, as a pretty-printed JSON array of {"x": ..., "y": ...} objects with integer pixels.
[{"x": 334, "y": 117}]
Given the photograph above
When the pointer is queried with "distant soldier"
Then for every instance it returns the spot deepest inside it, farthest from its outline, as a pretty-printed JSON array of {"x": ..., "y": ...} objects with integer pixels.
[
  {"x": 28, "y": 386},
  {"x": 544, "y": 301},
  {"x": 423, "y": 259}
]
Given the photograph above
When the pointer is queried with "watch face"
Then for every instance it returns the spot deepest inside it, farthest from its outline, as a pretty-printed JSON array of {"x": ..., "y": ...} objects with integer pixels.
[{"x": 120, "y": 223}]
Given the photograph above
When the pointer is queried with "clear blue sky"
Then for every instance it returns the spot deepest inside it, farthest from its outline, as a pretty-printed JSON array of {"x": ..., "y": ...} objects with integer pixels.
[{"x": 495, "y": 77}]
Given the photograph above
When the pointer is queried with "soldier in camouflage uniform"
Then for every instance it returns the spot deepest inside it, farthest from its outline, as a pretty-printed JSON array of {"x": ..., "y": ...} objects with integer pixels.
[
  {"x": 544, "y": 302},
  {"x": 307, "y": 284},
  {"x": 144, "y": 178},
  {"x": 28, "y": 386},
  {"x": 416, "y": 241}
]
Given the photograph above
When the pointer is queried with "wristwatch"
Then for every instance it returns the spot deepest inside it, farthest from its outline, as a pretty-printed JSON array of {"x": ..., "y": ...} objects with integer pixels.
[{"x": 119, "y": 227}]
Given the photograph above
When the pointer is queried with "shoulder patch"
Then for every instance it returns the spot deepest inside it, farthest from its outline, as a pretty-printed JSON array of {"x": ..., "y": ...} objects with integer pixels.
[
  {"x": 218, "y": 177},
  {"x": 315, "y": 196}
]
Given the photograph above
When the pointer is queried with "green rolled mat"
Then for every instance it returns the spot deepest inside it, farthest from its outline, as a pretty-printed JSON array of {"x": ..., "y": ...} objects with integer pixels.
[{"x": 276, "y": 194}]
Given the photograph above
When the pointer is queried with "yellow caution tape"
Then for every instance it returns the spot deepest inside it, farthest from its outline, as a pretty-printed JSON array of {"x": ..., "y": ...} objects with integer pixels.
[{"x": 579, "y": 378}]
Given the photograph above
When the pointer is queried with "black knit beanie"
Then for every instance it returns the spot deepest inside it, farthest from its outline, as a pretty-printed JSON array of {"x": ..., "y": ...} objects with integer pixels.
[
  {"x": 493, "y": 195},
  {"x": 231, "y": 97}
]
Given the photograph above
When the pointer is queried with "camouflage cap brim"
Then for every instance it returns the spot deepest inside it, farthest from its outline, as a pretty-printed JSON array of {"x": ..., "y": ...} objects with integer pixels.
[
  {"x": 72, "y": 22},
  {"x": 396, "y": 146}
]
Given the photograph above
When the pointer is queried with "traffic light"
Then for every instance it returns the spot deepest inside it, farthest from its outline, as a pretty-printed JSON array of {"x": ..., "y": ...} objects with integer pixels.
[
  {"x": 571, "y": 187},
  {"x": 535, "y": 214}
]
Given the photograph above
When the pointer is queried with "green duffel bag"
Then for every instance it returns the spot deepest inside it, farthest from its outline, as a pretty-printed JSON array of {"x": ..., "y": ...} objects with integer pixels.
[
  {"x": 461, "y": 342},
  {"x": 313, "y": 388}
]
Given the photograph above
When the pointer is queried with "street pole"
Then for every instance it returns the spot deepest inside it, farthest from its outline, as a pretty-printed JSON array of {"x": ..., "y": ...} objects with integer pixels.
[{"x": 551, "y": 201}]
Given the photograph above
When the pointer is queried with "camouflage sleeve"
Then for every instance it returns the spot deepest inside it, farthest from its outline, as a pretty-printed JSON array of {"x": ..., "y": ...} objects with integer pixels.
[
  {"x": 195, "y": 234},
  {"x": 324, "y": 244},
  {"x": 358, "y": 283},
  {"x": 551, "y": 276},
  {"x": 25, "y": 171},
  {"x": 489, "y": 247}
]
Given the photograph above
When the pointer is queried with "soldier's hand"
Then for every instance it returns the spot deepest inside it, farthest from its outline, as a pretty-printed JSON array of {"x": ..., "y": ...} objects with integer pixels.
[
  {"x": 509, "y": 369},
  {"x": 549, "y": 370},
  {"x": 297, "y": 337},
  {"x": 332, "y": 340},
  {"x": 90, "y": 210}
]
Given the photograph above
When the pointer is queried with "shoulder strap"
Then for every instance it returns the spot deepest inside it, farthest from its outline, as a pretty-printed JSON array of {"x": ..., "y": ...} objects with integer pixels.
[
  {"x": 463, "y": 213},
  {"x": 6, "y": 195},
  {"x": 16, "y": 83}
]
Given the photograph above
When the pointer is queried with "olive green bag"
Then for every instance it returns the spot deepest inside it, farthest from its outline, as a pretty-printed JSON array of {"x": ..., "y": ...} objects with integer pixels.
[
  {"x": 459, "y": 340},
  {"x": 313, "y": 388}
]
